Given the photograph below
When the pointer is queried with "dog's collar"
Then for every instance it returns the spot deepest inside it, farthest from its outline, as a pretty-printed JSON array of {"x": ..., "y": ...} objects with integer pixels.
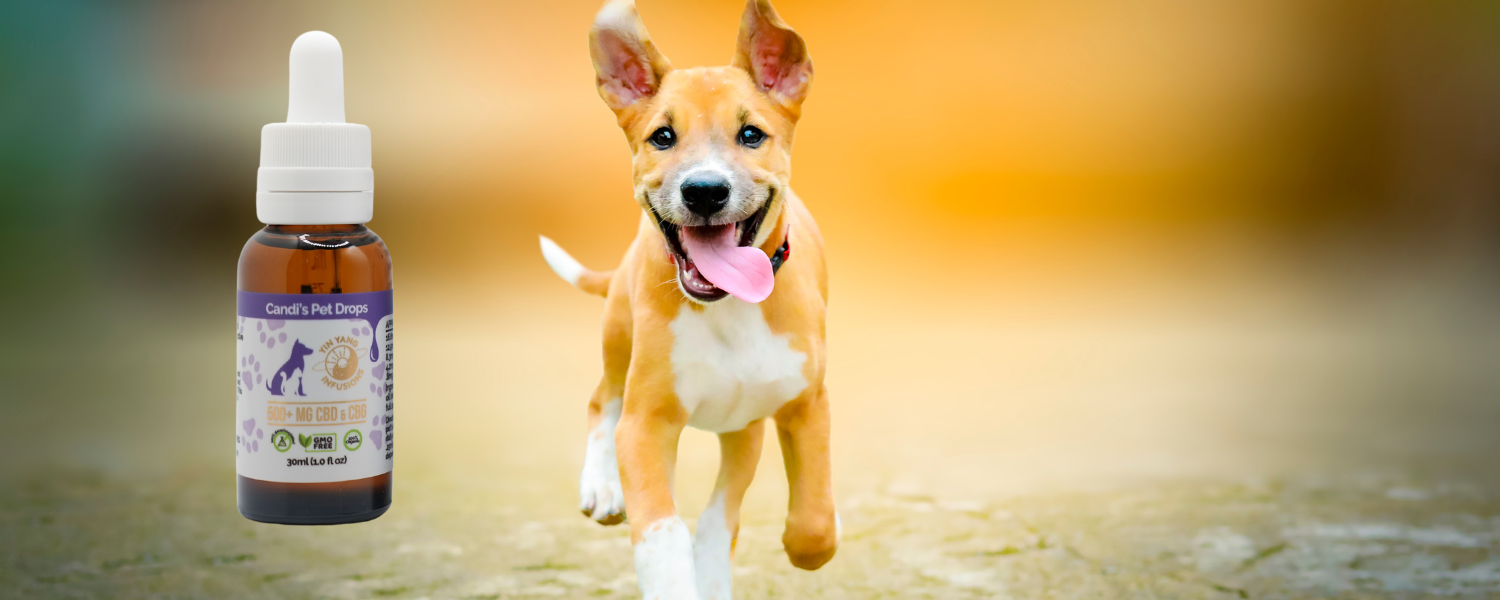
[{"x": 782, "y": 253}]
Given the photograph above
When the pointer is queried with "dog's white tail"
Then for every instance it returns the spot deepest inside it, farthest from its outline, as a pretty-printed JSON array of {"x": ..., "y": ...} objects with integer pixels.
[{"x": 573, "y": 272}]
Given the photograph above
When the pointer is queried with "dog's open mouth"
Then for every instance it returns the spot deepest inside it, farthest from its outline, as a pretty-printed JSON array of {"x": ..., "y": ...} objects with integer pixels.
[{"x": 714, "y": 261}]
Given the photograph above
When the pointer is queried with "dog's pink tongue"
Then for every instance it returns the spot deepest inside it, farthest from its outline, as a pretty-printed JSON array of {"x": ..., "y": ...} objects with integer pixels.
[{"x": 743, "y": 272}]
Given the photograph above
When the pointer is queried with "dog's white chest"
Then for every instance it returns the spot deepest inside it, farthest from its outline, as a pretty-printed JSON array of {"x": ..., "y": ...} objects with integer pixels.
[{"x": 730, "y": 368}]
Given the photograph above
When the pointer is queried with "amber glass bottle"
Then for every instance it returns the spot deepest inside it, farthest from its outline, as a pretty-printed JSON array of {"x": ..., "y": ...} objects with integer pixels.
[
  {"x": 316, "y": 260},
  {"x": 314, "y": 405}
]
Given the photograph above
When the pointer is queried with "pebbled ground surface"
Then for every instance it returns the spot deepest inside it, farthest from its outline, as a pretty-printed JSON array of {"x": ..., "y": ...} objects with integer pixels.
[{"x": 78, "y": 535}]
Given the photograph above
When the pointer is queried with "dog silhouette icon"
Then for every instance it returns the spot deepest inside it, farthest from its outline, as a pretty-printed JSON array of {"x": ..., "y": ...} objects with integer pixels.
[{"x": 295, "y": 366}]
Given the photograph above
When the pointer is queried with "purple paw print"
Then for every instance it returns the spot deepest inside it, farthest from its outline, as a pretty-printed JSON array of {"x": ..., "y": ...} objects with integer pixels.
[
  {"x": 271, "y": 338},
  {"x": 249, "y": 445},
  {"x": 377, "y": 437},
  {"x": 248, "y": 376}
]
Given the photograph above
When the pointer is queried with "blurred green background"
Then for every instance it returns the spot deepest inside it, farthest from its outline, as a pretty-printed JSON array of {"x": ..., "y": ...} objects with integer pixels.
[{"x": 1077, "y": 247}]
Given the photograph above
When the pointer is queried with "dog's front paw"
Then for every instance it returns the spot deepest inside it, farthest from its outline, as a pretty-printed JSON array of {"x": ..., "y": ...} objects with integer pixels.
[
  {"x": 599, "y": 495},
  {"x": 601, "y": 499}
]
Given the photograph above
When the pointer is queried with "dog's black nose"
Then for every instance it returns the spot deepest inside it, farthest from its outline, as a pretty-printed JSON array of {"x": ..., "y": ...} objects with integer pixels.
[{"x": 705, "y": 194}]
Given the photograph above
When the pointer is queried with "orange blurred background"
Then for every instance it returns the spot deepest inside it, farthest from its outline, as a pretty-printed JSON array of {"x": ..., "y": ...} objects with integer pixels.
[
  {"x": 1069, "y": 241},
  {"x": 940, "y": 135}
]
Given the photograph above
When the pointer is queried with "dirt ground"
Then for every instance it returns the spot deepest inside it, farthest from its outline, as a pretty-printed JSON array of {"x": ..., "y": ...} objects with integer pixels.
[
  {"x": 79, "y": 536},
  {"x": 1026, "y": 457}
]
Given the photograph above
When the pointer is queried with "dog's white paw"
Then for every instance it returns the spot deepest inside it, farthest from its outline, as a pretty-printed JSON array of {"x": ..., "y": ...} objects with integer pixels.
[
  {"x": 599, "y": 495},
  {"x": 664, "y": 561}
]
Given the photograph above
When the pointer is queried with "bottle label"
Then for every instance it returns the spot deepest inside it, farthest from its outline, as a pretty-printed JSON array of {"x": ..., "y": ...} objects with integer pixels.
[{"x": 314, "y": 400}]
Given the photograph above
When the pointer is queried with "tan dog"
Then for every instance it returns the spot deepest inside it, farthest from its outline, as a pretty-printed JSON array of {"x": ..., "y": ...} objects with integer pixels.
[{"x": 700, "y": 327}]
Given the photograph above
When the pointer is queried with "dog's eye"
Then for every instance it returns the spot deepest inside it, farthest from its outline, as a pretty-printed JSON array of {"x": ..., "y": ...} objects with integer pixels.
[
  {"x": 751, "y": 136},
  {"x": 663, "y": 138}
]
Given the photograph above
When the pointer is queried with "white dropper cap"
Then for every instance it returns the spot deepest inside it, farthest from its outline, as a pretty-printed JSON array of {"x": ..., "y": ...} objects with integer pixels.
[{"x": 315, "y": 168}]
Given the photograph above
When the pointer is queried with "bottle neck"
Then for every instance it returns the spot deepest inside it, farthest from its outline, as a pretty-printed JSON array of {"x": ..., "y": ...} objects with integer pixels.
[
  {"x": 315, "y": 237},
  {"x": 317, "y": 229}
]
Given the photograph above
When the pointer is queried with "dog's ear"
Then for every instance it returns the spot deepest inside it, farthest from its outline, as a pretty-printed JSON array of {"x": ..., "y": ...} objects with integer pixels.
[
  {"x": 627, "y": 66},
  {"x": 773, "y": 54}
]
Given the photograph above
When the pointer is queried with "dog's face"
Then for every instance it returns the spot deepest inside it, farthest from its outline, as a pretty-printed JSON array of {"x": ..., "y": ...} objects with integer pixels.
[{"x": 711, "y": 147}]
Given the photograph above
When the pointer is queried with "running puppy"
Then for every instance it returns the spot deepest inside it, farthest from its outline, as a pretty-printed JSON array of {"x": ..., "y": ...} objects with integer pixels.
[{"x": 709, "y": 320}]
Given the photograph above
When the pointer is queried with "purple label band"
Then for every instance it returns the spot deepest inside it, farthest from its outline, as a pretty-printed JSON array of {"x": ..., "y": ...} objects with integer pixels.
[{"x": 365, "y": 306}]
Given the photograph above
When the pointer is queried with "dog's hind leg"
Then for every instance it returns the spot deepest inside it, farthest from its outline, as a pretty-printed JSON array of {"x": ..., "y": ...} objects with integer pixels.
[
  {"x": 811, "y": 535},
  {"x": 719, "y": 525},
  {"x": 600, "y": 497},
  {"x": 599, "y": 494}
]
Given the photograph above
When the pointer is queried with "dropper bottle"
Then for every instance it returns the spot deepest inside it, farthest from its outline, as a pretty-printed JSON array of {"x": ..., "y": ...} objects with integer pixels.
[{"x": 314, "y": 430}]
